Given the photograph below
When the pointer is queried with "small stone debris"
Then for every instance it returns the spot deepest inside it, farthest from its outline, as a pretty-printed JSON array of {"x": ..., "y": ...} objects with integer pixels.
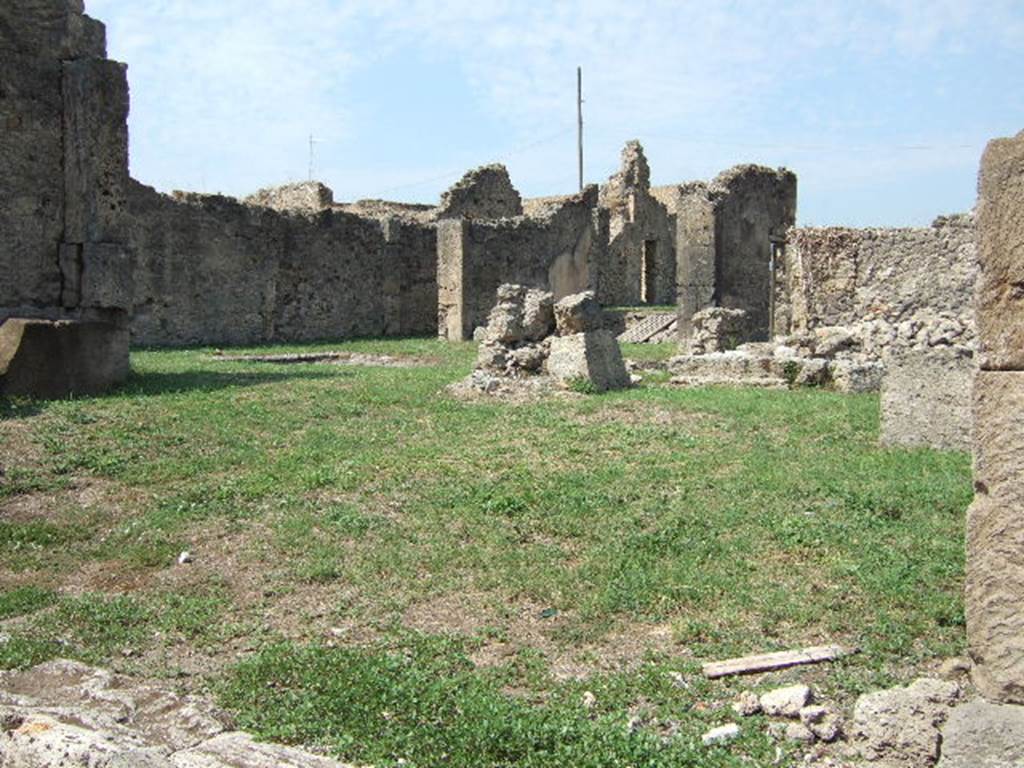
[
  {"x": 799, "y": 732},
  {"x": 588, "y": 700},
  {"x": 747, "y": 704},
  {"x": 721, "y": 735},
  {"x": 823, "y": 722},
  {"x": 786, "y": 702},
  {"x": 184, "y": 557}
]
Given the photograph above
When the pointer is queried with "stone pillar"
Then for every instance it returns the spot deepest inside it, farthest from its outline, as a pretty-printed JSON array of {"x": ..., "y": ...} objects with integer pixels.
[
  {"x": 695, "y": 260},
  {"x": 453, "y": 322},
  {"x": 995, "y": 521}
]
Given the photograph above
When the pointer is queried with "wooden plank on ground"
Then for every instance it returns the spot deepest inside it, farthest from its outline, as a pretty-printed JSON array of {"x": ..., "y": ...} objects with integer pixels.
[{"x": 767, "y": 662}]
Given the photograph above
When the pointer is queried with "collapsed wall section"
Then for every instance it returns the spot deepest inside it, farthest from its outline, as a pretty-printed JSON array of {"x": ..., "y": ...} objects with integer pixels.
[
  {"x": 476, "y": 256},
  {"x": 212, "y": 270}
]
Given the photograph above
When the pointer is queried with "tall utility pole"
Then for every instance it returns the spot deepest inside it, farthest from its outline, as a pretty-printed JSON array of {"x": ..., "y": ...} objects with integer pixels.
[
  {"x": 579, "y": 120},
  {"x": 312, "y": 141}
]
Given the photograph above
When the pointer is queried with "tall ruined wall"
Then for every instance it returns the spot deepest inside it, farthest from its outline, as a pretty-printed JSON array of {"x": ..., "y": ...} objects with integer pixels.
[
  {"x": 639, "y": 265},
  {"x": 995, "y": 522},
  {"x": 553, "y": 252},
  {"x": 212, "y": 270},
  {"x": 898, "y": 287},
  {"x": 63, "y": 162},
  {"x": 753, "y": 205}
]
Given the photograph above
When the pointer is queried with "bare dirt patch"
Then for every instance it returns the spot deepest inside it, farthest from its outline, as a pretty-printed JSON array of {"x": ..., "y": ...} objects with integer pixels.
[{"x": 505, "y": 628}]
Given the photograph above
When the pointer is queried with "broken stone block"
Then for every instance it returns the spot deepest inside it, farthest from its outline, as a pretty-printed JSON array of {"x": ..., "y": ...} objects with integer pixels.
[
  {"x": 926, "y": 398},
  {"x": 578, "y": 313},
  {"x": 851, "y": 377},
  {"x": 721, "y": 735},
  {"x": 538, "y": 314},
  {"x": 981, "y": 734},
  {"x": 899, "y": 728},
  {"x": 799, "y": 732},
  {"x": 832, "y": 339},
  {"x": 999, "y": 303},
  {"x": 716, "y": 329},
  {"x": 56, "y": 359},
  {"x": 786, "y": 702},
  {"x": 813, "y": 372},
  {"x": 747, "y": 704},
  {"x": 593, "y": 357},
  {"x": 822, "y": 722}
]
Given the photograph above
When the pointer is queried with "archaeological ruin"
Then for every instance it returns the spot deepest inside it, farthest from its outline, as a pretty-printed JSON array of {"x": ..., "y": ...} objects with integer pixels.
[{"x": 93, "y": 262}]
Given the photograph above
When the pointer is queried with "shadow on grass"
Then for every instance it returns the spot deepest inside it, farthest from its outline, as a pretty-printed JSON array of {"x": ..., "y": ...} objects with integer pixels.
[{"x": 160, "y": 383}]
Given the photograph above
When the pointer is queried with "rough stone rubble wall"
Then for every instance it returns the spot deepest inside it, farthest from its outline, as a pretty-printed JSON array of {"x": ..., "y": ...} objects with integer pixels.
[
  {"x": 553, "y": 253},
  {"x": 212, "y": 270},
  {"x": 305, "y": 196},
  {"x": 641, "y": 238},
  {"x": 63, "y": 165},
  {"x": 906, "y": 294},
  {"x": 898, "y": 287},
  {"x": 995, "y": 521},
  {"x": 723, "y": 235}
]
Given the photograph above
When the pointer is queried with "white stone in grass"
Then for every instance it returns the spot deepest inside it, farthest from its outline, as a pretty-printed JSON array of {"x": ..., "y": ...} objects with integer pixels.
[
  {"x": 184, "y": 557},
  {"x": 786, "y": 702},
  {"x": 589, "y": 700},
  {"x": 721, "y": 735}
]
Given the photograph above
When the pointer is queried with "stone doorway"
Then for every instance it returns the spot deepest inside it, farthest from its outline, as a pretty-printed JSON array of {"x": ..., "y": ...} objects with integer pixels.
[{"x": 649, "y": 272}]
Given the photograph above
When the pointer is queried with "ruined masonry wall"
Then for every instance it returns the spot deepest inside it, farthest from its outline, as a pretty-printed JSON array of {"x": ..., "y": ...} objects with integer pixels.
[
  {"x": 995, "y": 525},
  {"x": 212, "y": 270},
  {"x": 553, "y": 253},
  {"x": 902, "y": 287},
  {"x": 63, "y": 165}
]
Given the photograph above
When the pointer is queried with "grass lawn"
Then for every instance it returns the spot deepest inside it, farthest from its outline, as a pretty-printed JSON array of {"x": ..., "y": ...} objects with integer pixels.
[{"x": 384, "y": 572}]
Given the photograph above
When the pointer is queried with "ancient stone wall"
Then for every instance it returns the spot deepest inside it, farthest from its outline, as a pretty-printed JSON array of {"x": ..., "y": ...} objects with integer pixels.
[
  {"x": 483, "y": 193},
  {"x": 305, "y": 196},
  {"x": 63, "y": 187},
  {"x": 212, "y": 270},
  {"x": 639, "y": 265},
  {"x": 553, "y": 252},
  {"x": 753, "y": 205},
  {"x": 995, "y": 523},
  {"x": 900, "y": 287}
]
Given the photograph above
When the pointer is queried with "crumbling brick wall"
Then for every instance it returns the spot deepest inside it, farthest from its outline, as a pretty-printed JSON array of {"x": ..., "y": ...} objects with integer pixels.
[
  {"x": 304, "y": 196},
  {"x": 213, "y": 270}
]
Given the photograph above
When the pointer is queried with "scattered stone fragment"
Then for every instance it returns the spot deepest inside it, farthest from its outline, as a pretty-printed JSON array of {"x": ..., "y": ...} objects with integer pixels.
[
  {"x": 717, "y": 329},
  {"x": 578, "y": 313},
  {"x": 589, "y": 700},
  {"x": 982, "y": 734},
  {"x": 786, "y": 702},
  {"x": 184, "y": 557},
  {"x": 823, "y": 722},
  {"x": 721, "y": 735},
  {"x": 799, "y": 732},
  {"x": 747, "y": 704},
  {"x": 899, "y": 728}
]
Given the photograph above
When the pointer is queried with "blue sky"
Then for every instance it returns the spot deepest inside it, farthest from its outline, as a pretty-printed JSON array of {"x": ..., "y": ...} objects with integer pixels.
[{"x": 881, "y": 107}]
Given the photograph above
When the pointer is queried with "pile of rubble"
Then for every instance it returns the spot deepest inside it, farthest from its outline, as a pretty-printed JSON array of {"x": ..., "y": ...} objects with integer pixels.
[
  {"x": 532, "y": 342},
  {"x": 829, "y": 356},
  {"x": 63, "y": 714}
]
